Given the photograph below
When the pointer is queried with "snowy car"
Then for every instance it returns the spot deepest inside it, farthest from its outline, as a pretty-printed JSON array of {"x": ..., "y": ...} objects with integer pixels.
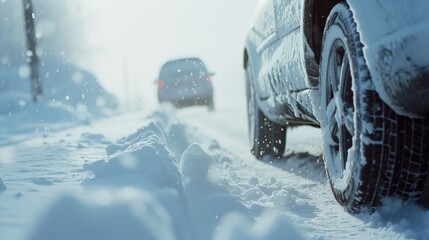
[
  {"x": 185, "y": 82},
  {"x": 359, "y": 70}
]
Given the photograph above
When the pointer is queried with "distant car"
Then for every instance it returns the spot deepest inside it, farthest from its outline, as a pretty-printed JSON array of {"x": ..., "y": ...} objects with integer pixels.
[
  {"x": 360, "y": 71},
  {"x": 185, "y": 82}
]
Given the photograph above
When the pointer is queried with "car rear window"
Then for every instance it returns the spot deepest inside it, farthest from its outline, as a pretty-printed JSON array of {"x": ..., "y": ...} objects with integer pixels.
[{"x": 182, "y": 67}]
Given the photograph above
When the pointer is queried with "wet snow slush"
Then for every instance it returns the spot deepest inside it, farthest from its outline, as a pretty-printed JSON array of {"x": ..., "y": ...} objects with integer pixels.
[{"x": 177, "y": 174}]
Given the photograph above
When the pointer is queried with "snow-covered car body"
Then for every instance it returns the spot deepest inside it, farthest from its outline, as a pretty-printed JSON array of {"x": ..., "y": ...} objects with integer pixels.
[
  {"x": 283, "y": 47},
  {"x": 360, "y": 71},
  {"x": 396, "y": 41}
]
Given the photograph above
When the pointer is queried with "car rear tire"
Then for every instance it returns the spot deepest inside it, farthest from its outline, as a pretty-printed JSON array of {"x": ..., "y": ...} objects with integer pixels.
[
  {"x": 266, "y": 138},
  {"x": 370, "y": 152},
  {"x": 210, "y": 105}
]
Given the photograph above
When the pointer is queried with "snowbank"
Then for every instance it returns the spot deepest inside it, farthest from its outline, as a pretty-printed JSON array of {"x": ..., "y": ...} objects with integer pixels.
[
  {"x": 144, "y": 189},
  {"x": 70, "y": 95},
  {"x": 41, "y": 115}
]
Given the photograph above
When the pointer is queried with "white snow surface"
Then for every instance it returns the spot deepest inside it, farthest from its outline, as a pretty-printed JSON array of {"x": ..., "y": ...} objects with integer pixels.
[{"x": 176, "y": 174}]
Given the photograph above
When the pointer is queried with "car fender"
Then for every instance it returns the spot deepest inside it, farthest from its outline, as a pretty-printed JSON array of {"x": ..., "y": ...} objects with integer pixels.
[
  {"x": 251, "y": 57},
  {"x": 395, "y": 35}
]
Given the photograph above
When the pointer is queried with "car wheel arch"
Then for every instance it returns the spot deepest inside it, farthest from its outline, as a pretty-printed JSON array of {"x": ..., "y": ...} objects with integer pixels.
[
  {"x": 248, "y": 59},
  {"x": 245, "y": 58},
  {"x": 315, "y": 24}
]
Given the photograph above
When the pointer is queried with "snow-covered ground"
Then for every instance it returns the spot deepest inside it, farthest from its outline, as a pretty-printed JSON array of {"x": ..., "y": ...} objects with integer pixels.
[
  {"x": 73, "y": 168},
  {"x": 176, "y": 174}
]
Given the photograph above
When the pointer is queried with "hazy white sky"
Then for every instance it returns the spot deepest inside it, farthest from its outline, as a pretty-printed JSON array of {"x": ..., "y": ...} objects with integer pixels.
[{"x": 136, "y": 36}]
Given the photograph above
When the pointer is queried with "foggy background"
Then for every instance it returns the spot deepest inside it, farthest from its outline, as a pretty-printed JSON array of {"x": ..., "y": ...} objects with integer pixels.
[
  {"x": 130, "y": 40},
  {"x": 125, "y": 42}
]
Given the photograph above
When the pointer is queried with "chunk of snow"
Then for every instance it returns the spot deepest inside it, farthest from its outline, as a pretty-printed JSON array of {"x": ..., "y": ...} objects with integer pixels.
[
  {"x": 146, "y": 163},
  {"x": 239, "y": 227},
  {"x": 131, "y": 214},
  {"x": 208, "y": 199},
  {"x": 195, "y": 167}
]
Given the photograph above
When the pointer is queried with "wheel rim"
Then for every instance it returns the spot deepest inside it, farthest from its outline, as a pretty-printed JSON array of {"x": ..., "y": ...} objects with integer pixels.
[
  {"x": 340, "y": 109},
  {"x": 251, "y": 109}
]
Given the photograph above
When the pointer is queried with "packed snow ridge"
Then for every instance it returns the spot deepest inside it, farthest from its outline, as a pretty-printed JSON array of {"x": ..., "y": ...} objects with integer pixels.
[{"x": 154, "y": 184}]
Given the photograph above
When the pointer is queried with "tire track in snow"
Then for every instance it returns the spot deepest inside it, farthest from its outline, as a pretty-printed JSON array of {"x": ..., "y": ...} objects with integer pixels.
[{"x": 296, "y": 184}]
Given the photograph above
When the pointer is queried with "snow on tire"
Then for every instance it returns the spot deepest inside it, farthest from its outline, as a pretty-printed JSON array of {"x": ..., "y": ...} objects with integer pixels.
[
  {"x": 266, "y": 138},
  {"x": 370, "y": 152}
]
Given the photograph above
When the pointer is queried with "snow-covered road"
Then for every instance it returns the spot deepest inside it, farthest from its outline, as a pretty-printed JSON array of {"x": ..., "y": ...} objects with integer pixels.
[
  {"x": 300, "y": 188},
  {"x": 178, "y": 174}
]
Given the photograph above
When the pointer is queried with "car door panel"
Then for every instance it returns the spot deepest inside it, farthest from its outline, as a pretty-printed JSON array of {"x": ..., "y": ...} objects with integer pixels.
[
  {"x": 288, "y": 15},
  {"x": 290, "y": 52},
  {"x": 264, "y": 32},
  {"x": 280, "y": 49},
  {"x": 283, "y": 68},
  {"x": 265, "y": 24}
]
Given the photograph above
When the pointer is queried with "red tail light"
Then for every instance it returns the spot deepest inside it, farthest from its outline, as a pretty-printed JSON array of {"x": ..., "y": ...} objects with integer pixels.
[
  {"x": 160, "y": 83},
  {"x": 208, "y": 79}
]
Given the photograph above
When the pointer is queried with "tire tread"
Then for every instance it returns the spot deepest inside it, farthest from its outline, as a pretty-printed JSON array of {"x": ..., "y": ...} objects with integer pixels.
[{"x": 394, "y": 152}]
